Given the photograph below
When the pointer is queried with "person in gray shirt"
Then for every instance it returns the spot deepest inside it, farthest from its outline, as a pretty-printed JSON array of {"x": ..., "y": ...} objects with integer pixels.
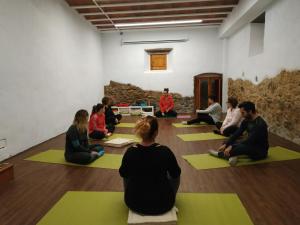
[{"x": 211, "y": 115}]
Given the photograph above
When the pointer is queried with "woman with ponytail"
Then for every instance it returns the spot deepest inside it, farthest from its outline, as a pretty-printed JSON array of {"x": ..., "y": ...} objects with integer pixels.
[
  {"x": 77, "y": 149},
  {"x": 97, "y": 127},
  {"x": 150, "y": 171}
]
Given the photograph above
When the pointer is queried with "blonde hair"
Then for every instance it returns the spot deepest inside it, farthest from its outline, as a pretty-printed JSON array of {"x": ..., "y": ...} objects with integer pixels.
[
  {"x": 81, "y": 120},
  {"x": 146, "y": 128}
]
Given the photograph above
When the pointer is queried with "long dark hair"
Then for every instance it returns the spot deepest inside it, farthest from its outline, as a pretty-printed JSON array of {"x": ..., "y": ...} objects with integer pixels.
[{"x": 96, "y": 108}]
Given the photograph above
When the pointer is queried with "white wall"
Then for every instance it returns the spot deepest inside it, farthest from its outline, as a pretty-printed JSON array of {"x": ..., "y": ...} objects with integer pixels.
[
  {"x": 281, "y": 46},
  {"x": 127, "y": 63},
  {"x": 50, "y": 66}
]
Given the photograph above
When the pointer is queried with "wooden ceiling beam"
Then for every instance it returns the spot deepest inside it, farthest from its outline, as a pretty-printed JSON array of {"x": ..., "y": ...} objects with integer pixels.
[
  {"x": 217, "y": 14},
  {"x": 139, "y": 3},
  {"x": 159, "y": 10}
]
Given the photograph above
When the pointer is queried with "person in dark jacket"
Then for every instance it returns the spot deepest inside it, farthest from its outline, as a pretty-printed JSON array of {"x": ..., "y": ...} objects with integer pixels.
[
  {"x": 77, "y": 149},
  {"x": 150, "y": 171},
  {"x": 111, "y": 119},
  {"x": 256, "y": 144}
]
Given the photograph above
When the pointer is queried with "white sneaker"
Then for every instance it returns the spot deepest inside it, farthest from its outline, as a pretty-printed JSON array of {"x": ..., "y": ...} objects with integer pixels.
[
  {"x": 213, "y": 152},
  {"x": 233, "y": 160},
  {"x": 184, "y": 122}
]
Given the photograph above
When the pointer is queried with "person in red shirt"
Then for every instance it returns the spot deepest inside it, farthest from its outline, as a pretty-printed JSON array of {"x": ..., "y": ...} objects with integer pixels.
[
  {"x": 166, "y": 105},
  {"x": 97, "y": 127}
]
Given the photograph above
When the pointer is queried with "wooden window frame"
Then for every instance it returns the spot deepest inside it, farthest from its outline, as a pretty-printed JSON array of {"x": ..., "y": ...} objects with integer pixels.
[{"x": 163, "y": 53}]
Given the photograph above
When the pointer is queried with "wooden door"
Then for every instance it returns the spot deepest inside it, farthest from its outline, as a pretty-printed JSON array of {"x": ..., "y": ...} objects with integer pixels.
[{"x": 204, "y": 85}]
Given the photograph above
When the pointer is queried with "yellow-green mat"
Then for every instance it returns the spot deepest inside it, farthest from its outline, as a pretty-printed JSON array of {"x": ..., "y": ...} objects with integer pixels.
[
  {"x": 108, "y": 208},
  {"x": 129, "y": 136},
  {"x": 180, "y": 125},
  {"x": 108, "y": 161},
  {"x": 200, "y": 136},
  {"x": 130, "y": 125},
  {"x": 206, "y": 161}
]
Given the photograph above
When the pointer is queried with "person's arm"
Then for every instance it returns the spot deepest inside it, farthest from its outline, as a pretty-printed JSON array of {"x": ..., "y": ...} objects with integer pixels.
[
  {"x": 173, "y": 167},
  {"x": 257, "y": 134},
  {"x": 236, "y": 134},
  {"x": 73, "y": 136},
  {"x": 171, "y": 104},
  {"x": 209, "y": 110},
  {"x": 224, "y": 124},
  {"x": 236, "y": 117},
  {"x": 124, "y": 170},
  {"x": 161, "y": 105}
]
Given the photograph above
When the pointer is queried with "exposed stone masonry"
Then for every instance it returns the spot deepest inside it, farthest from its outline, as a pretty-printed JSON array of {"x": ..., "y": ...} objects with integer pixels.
[
  {"x": 127, "y": 93},
  {"x": 277, "y": 100}
]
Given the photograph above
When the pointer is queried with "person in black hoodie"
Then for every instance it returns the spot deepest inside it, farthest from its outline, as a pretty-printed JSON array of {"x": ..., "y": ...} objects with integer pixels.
[
  {"x": 150, "y": 172},
  {"x": 110, "y": 118},
  {"x": 256, "y": 144},
  {"x": 77, "y": 148}
]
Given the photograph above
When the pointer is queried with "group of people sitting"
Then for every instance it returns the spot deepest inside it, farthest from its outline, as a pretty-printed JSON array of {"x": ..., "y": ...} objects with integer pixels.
[
  {"x": 101, "y": 124},
  {"x": 150, "y": 171}
]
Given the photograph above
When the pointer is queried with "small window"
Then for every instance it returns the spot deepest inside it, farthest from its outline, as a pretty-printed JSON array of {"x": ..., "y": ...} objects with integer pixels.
[
  {"x": 158, "y": 58},
  {"x": 158, "y": 61},
  {"x": 257, "y": 33}
]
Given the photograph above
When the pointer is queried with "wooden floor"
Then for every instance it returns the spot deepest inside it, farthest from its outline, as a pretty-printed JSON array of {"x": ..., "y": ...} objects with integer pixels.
[{"x": 269, "y": 192}]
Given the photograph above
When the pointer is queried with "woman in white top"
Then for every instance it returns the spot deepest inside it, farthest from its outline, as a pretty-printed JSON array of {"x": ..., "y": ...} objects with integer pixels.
[{"x": 232, "y": 120}]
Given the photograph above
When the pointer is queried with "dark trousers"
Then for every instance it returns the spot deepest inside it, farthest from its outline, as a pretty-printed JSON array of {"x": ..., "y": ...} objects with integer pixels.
[
  {"x": 254, "y": 152},
  {"x": 171, "y": 113},
  {"x": 82, "y": 158},
  {"x": 119, "y": 117},
  {"x": 110, "y": 127},
  {"x": 227, "y": 131},
  {"x": 202, "y": 117},
  {"x": 97, "y": 135}
]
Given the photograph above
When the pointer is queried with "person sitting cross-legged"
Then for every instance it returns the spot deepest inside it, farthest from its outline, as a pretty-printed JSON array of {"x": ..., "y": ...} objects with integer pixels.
[
  {"x": 150, "y": 172},
  {"x": 211, "y": 115},
  {"x": 166, "y": 105},
  {"x": 232, "y": 120},
  {"x": 255, "y": 146},
  {"x": 77, "y": 149}
]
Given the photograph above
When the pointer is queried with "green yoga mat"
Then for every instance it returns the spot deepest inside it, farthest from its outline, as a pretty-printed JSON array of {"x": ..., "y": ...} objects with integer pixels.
[
  {"x": 130, "y": 125},
  {"x": 129, "y": 136},
  {"x": 180, "y": 125},
  {"x": 206, "y": 161},
  {"x": 108, "y": 161},
  {"x": 94, "y": 208},
  {"x": 200, "y": 136}
]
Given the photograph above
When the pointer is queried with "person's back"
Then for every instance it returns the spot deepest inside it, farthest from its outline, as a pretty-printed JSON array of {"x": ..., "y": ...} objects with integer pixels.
[
  {"x": 151, "y": 173},
  {"x": 146, "y": 168},
  {"x": 73, "y": 134}
]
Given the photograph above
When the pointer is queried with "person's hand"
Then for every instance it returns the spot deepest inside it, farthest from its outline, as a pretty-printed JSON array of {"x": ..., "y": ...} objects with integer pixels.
[
  {"x": 221, "y": 130},
  {"x": 163, "y": 114},
  {"x": 227, "y": 151},
  {"x": 222, "y": 148},
  {"x": 108, "y": 134},
  {"x": 117, "y": 121},
  {"x": 94, "y": 153}
]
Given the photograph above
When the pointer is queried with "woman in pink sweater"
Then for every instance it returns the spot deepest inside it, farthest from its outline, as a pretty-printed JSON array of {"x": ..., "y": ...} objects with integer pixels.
[
  {"x": 232, "y": 120},
  {"x": 97, "y": 126}
]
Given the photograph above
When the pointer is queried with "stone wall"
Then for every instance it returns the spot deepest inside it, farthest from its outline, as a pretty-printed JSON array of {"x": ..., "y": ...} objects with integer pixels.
[
  {"x": 127, "y": 93},
  {"x": 277, "y": 100}
]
